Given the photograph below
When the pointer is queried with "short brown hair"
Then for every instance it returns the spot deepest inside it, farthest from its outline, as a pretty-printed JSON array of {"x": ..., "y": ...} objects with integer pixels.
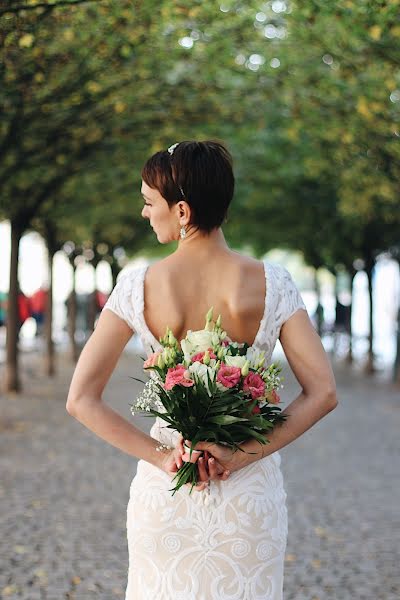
[{"x": 199, "y": 173}]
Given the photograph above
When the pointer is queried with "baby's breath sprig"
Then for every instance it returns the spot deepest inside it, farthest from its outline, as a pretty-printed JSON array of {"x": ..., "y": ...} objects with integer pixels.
[
  {"x": 272, "y": 378},
  {"x": 147, "y": 400}
]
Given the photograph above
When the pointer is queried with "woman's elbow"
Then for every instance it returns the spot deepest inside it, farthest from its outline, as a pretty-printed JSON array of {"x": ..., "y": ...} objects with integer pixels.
[
  {"x": 71, "y": 406},
  {"x": 330, "y": 398},
  {"x": 78, "y": 404},
  {"x": 74, "y": 402},
  {"x": 323, "y": 397}
]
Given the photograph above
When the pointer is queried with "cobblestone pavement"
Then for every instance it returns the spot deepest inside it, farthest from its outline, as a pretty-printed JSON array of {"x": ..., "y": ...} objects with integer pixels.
[{"x": 64, "y": 494}]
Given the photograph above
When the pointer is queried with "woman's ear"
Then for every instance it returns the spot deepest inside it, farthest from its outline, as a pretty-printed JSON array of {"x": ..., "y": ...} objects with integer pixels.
[{"x": 183, "y": 212}]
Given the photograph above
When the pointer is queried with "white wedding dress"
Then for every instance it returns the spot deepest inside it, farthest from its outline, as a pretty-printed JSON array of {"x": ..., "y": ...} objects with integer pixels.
[{"x": 227, "y": 543}]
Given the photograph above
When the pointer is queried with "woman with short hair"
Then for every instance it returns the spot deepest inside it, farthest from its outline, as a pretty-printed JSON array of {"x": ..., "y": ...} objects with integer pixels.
[{"x": 227, "y": 539}]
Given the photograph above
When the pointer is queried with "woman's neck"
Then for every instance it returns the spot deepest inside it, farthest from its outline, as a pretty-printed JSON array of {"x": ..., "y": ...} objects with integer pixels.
[{"x": 200, "y": 244}]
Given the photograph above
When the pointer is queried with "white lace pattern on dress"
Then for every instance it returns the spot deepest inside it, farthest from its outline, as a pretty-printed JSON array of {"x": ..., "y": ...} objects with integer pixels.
[{"x": 225, "y": 544}]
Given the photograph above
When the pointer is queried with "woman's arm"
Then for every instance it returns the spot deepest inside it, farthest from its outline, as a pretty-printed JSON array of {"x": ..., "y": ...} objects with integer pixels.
[
  {"x": 95, "y": 366},
  {"x": 93, "y": 370},
  {"x": 309, "y": 362}
]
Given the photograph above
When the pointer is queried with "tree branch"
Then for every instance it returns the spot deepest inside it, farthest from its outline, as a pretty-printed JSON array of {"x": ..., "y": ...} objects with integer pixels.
[{"x": 46, "y": 5}]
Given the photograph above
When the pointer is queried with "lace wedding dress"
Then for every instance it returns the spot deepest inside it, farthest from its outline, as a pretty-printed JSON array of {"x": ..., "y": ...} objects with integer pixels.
[{"x": 227, "y": 543}]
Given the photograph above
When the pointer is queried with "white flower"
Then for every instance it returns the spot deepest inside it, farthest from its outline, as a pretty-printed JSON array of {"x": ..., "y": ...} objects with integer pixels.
[
  {"x": 188, "y": 350},
  {"x": 221, "y": 353},
  {"x": 201, "y": 340},
  {"x": 215, "y": 338},
  {"x": 235, "y": 361},
  {"x": 198, "y": 341},
  {"x": 221, "y": 386},
  {"x": 201, "y": 371},
  {"x": 255, "y": 357},
  {"x": 146, "y": 401}
]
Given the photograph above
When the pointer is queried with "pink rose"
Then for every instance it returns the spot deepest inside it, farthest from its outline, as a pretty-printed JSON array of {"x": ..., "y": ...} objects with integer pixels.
[
  {"x": 177, "y": 375},
  {"x": 273, "y": 397},
  {"x": 200, "y": 355},
  {"x": 229, "y": 376},
  {"x": 151, "y": 360},
  {"x": 254, "y": 384}
]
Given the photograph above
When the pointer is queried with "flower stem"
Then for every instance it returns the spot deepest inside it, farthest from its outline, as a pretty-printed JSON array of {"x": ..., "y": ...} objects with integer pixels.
[{"x": 186, "y": 474}]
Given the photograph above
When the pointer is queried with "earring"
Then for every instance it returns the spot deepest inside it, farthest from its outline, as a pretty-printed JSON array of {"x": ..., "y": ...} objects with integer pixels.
[{"x": 182, "y": 232}]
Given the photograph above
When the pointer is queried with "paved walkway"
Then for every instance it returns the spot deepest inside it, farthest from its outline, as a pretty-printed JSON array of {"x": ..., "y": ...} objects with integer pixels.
[{"x": 64, "y": 494}]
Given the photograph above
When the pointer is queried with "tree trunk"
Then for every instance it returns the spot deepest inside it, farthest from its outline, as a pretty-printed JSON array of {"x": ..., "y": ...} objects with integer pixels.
[
  {"x": 370, "y": 367},
  {"x": 115, "y": 270},
  {"x": 12, "y": 381},
  {"x": 319, "y": 310},
  {"x": 334, "y": 329},
  {"x": 72, "y": 310},
  {"x": 48, "y": 325},
  {"x": 92, "y": 306},
  {"x": 349, "y": 357},
  {"x": 396, "y": 366}
]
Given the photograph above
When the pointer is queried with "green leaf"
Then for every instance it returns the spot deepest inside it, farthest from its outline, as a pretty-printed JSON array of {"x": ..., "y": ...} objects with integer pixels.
[{"x": 225, "y": 419}]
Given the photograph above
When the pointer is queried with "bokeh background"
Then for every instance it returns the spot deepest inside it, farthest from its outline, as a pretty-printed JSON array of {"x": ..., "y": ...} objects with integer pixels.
[{"x": 306, "y": 95}]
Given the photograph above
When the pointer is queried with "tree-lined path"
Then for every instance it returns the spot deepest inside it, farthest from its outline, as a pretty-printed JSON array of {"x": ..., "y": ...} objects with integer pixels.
[{"x": 64, "y": 494}]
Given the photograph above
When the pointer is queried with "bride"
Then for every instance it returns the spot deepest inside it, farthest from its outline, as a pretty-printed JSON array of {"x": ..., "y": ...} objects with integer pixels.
[{"x": 226, "y": 540}]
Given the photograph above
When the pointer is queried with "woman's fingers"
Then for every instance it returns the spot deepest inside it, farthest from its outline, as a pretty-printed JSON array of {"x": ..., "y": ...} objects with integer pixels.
[
  {"x": 201, "y": 466},
  {"x": 202, "y": 445},
  {"x": 212, "y": 468},
  {"x": 178, "y": 458},
  {"x": 224, "y": 475},
  {"x": 180, "y": 444}
]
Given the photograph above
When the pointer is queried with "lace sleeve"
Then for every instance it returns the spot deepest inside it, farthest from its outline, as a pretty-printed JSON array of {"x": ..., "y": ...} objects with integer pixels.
[
  {"x": 120, "y": 300},
  {"x": 291, "y": 295}
]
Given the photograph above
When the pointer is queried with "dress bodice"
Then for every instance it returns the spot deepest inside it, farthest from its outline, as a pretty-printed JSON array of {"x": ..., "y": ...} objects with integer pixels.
[{"x": 282, "y": 300}]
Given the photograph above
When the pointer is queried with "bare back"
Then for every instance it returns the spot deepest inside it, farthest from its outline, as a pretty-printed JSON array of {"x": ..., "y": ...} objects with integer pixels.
[{"x": 178, "y": 292}]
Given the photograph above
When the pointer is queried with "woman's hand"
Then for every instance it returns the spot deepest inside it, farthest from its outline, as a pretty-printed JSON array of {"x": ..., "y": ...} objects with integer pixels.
[
  {"x": 228, "y": 459},
  {"x": 171, "y": 461},
  {"x": 208, "y": 468}
]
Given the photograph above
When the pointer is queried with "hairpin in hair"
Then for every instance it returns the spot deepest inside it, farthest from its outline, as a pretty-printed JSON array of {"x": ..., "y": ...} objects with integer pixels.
[
  {"x": 172, "y": 148},
  {"x": 171, "y": 151}
]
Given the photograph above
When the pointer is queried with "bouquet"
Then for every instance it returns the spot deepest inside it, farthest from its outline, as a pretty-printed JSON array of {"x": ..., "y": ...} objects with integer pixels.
[{"x": 210, "y": 389}]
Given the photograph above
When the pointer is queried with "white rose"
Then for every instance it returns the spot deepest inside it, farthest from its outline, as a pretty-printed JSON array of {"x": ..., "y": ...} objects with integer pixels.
[
  {"x": 235, "y": 361},
  {"x": 200, "y": 371},
  {"x": 200, "y": 340}
]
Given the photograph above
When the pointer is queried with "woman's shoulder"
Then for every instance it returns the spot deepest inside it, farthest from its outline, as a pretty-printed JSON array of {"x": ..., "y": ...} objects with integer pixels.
[
  {"x": 286, "y": 290},
  {"x": 280, "y": 273},
  {"x": 128, "y": 277},
  {"x": 124, "y": 298}
]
